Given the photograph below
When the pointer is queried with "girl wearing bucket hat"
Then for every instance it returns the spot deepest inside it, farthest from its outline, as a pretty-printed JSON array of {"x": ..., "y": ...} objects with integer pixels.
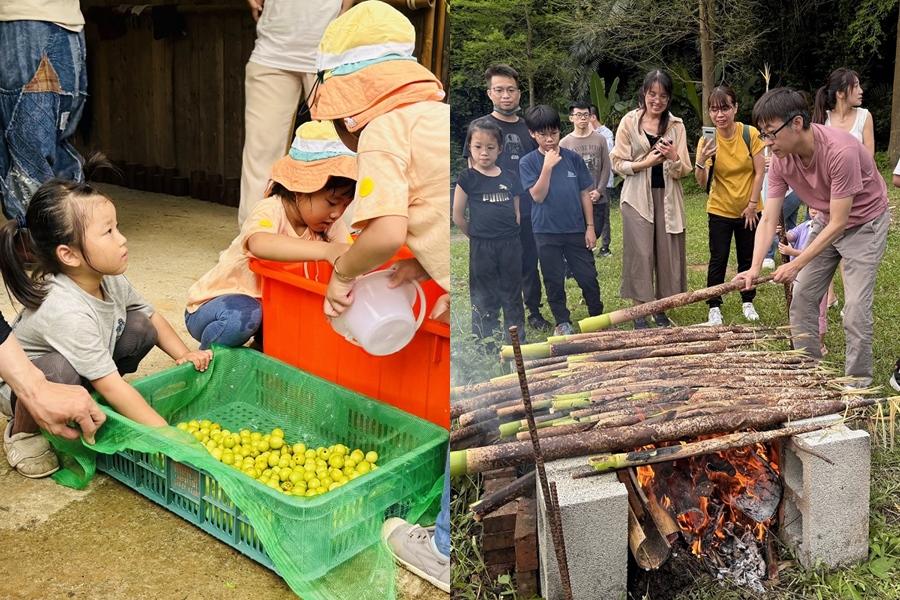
[
  {"x": 300, "y": 219},
  {"x": 388, "y": 107}
]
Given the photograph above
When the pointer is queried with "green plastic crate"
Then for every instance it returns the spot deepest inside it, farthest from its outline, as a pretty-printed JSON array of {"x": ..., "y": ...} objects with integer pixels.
[{"x": 250, "y": 390}]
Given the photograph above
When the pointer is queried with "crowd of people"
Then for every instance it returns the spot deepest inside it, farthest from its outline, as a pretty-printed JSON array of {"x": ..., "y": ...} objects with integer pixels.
[{"x": 544, "y": 200}]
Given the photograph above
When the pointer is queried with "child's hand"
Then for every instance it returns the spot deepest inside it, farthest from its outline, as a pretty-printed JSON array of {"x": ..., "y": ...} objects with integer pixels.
[
  {"x": 200, "y": 358},
  {"x": 335, "y": 249},
  {"x": 551, "y": 159},
  {"x": 441, "y": 310},
  {"x": 408, "y": 269},
  {"x": 337, "y": 297}
]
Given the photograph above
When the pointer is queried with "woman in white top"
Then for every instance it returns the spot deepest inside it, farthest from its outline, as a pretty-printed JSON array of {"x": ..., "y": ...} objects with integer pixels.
[{"x": 839, "y": 105}]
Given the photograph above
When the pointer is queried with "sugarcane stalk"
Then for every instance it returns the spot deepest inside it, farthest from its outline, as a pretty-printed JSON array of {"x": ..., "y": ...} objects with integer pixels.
[
  {"x": 622, "y": 460},
  {"x": 502, "y": 496},
  {"x": 475, "y": 460},
  {"x": 624, "y": 315}
]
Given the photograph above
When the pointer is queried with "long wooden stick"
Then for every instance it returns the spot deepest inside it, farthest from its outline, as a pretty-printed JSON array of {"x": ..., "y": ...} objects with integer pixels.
[
  {"x": 607, "y": 320},
  {"x": 622, "y": 460}
]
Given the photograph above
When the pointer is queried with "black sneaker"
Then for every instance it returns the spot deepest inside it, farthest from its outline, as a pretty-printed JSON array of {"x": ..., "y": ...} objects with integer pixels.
[
  {"x": 895, "y": 377},
  {"x": 605, "y": 253},
  {"x": 662, "y": 320},
  {"x": 537, "y": 321},
  {"x": 641, "y": 323}
]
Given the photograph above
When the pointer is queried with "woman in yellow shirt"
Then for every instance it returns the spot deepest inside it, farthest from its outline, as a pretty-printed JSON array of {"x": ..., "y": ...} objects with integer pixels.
[{"x": 735, "y": 162}]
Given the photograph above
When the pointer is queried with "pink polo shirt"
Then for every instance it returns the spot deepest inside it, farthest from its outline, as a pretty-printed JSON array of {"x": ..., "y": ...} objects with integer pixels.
[{"x": 841, "y": 167}]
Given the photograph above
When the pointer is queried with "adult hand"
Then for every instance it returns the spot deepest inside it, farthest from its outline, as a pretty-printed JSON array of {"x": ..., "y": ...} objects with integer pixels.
[
  {"x": 750, "y": 216},
  {"x": 708, "y": 151},
  {"x": 594, "y": 196},
  {"x": 337, "y": 297},
  {"x": 441, "y": 310},
  {"x": 667, "y": 148},
  {"x": 654, "y": 158},
  {"x": 56, "y": 408},
  {"x": 747, "y": 277},
  {"x": 408, "y": 269},
  {"x": 786, "y": 273},
  {"x": 200, "y": 359},
  {"x": 590, "y": 238},
  {"x": 552, "y": 158},
  {"x": 256, "y": 8}
]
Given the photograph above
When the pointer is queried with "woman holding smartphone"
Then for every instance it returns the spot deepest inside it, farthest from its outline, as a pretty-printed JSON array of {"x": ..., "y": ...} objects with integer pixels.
[
  {"x": 651, "y": 155},
  {"x": 731, "y": 167}
]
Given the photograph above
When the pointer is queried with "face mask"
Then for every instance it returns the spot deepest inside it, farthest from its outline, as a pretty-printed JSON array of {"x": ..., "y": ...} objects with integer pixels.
[{"x": 505, "y": 112}]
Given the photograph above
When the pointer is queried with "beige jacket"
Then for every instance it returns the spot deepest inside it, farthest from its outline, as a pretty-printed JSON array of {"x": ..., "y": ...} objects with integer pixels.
[{"x": 631, "y": 146}]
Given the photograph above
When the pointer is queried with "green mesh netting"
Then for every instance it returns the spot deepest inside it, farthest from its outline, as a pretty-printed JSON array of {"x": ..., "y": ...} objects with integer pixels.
[{"x": 324, "y": 547}]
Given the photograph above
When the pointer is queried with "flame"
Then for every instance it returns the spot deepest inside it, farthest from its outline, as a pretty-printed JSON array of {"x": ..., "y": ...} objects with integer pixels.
[{"x": 709, "y": 494}]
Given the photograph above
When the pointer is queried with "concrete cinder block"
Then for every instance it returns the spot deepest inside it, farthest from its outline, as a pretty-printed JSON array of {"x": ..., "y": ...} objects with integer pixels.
[
  {"x": 826, "y": 507},
  {"x": 594, "y": 514}
]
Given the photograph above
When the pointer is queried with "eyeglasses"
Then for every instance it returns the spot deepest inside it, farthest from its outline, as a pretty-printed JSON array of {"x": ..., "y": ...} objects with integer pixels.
[
  {"x": 715, "y": 110},
  {"x": 547, "y": 135},
  {"x": 509, "y": 91},
  {"x": 765, "y": 137},
  {"x": 576, "y": 115}
]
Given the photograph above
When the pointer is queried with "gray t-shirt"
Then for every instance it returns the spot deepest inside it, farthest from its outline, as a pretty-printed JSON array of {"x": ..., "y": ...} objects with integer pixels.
[{"x": 80, "y": 327}]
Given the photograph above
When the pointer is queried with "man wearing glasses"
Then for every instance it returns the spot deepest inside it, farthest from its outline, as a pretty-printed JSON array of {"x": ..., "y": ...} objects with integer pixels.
[
  {"x": 503, "y": 91},
  {"x": 834, "y": 174},
  {"x": 593, "y": 149}
]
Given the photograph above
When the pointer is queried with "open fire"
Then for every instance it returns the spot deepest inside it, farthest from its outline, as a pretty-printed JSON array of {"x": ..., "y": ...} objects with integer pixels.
[{"x": 724, "y": 504}]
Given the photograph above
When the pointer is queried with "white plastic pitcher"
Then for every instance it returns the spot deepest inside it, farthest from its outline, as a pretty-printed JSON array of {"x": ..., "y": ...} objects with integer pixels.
[{"x": 381, "y": 319}]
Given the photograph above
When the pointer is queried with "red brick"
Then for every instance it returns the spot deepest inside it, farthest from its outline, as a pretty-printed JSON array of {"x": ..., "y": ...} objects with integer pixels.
[
  {"x": 526, "y": 535},
  {"x": 526, "y": 584},
  {"x": 495, "y": 541},
  {"x": 503, "y": 556},
  {"x": 496, "y": 570}
]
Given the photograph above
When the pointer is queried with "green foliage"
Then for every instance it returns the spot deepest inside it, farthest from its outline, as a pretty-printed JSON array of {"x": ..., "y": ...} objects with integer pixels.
[{"x": 610, "y": 107}]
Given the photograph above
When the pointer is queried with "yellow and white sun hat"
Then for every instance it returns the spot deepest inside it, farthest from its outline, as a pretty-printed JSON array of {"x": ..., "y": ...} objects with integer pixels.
[
  {"x": 366, "y": 64},
  {"x": 316, "y": 154}
]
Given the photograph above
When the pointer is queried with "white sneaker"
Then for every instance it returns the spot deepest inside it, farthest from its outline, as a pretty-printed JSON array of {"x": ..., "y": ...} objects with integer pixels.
[
  {"x": 29, "y": 453},
  {"x": 715, "y": 316},
  {"x": 895, "y": 377},
  {"x": 750, "y": 312},
  {"x": 413, "y": 547},
  {"x": 768, "y": 263}
]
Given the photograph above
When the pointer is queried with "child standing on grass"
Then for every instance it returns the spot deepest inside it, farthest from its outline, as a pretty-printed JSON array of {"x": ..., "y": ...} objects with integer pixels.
[
  {"x": 83, "y": 322},
  {"x": 388, "y": 107},
  {"x": 562, "y": 216},
  {"x": 300, "y": 219},
  {"x": 495, "y": 252},
  {"x": 798, "y": 239}
]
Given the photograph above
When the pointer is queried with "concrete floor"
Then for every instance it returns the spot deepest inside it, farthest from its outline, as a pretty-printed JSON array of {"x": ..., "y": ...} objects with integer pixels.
[{"x": 107, "y": 541}]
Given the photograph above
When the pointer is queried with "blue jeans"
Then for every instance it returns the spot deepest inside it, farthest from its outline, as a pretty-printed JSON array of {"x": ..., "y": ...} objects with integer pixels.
[
  {"x": 229, "y": 320},
  {"x": 442, "y": 525},
  {"x": 789, "y": 211},
  {"x": 43, "y": 88}
]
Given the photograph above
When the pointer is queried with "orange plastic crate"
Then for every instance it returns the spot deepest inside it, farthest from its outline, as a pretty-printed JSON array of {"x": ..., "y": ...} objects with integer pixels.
[{"x": 415, "y": 379}]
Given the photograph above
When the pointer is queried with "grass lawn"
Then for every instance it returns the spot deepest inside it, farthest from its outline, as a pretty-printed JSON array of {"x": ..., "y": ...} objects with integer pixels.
[{"x": 875, "y": 579}]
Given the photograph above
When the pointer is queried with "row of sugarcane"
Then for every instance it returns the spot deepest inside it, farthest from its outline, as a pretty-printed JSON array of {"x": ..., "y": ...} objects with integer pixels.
[{"x": 613, "y": 392}]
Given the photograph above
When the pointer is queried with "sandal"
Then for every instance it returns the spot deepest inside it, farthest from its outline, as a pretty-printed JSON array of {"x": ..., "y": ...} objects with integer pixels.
[{"x": 29, "y": 453}]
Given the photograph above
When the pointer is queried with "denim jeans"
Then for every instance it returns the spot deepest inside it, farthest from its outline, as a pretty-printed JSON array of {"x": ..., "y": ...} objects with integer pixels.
[
  {"x": 442, "y": 525},
  {"x": 229, "y": 320},
  {"x": 43, "y": 88}
]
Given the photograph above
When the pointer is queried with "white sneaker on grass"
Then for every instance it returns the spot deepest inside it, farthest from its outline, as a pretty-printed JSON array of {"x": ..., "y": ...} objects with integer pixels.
[
  {"x": 895, "y": 377},
  {"x": 715, "y": 316},
  {"x": 750, "y": 312},
  {"x": 413, "y": 547},
  {"x": 768, "y": 264}
]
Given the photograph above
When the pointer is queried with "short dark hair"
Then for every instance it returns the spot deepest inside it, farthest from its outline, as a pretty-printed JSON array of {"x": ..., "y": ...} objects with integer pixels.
[
  {"x": 502, "y": 70},
  {"x": 781, "y": 104},
  {"x": 721, "y": 96},
  {"x": 594, "y": 110},
  {"x": 542, "y": 118},
  {"x": 487, "y": 125},
  {"x": 579, "y": 104}
]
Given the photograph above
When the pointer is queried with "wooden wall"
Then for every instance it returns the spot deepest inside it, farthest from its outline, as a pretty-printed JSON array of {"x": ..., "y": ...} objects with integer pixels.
[{"x": 167, "y": 99}]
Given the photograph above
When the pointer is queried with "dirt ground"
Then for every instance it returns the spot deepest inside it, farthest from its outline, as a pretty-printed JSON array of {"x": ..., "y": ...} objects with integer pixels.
[{"x": 107, "y": 541}]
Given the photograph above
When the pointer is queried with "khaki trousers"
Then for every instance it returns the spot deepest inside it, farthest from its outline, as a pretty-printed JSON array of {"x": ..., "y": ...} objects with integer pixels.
[
  {"x": 272, "y": 98},
  {"x": 861, "y": 248}
]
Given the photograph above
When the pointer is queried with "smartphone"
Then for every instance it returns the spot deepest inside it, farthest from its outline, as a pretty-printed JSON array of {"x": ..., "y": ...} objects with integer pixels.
[{"x": 709, "y": 133}]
